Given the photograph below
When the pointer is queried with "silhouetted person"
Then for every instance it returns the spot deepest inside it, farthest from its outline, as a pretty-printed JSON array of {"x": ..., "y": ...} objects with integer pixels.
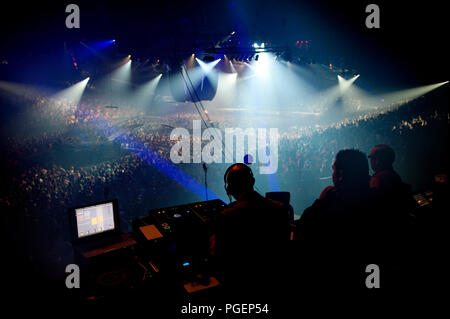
[
  {"x": 335, "y": 235},
  {"x": 385, "y": 178},
  {"x": 399, "y": 240},
  {"x": 250, "y": 236},
  {"x": 392, "y": 192}
]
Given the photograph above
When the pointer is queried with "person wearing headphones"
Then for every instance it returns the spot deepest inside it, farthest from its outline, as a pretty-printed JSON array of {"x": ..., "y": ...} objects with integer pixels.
[{"x": 250, "y": 236}]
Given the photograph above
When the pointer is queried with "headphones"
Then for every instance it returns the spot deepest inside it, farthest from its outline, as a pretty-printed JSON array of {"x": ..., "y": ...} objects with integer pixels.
[{"x": 229, "y": 188}]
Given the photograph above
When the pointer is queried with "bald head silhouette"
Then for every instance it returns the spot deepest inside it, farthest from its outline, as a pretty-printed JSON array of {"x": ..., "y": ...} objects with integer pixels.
[
  {"x": 238, "y": 180},
  {"x": 381, "y": 157}
]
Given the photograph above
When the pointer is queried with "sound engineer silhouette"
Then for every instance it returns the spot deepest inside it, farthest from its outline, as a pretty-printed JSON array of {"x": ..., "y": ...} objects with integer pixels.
[{"x": 250, "y": 236}]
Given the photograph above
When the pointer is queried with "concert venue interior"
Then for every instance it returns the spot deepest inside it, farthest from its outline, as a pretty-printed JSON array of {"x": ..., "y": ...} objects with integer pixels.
[{"x": 93, "y": 100}]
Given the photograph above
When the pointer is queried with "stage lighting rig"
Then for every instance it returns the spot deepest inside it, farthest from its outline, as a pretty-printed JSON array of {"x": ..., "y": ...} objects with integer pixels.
[{"x": 224, "y": 40}]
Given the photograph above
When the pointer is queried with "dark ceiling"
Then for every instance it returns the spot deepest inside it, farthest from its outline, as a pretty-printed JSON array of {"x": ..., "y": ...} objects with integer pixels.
[{"x": 408, "y": 48}]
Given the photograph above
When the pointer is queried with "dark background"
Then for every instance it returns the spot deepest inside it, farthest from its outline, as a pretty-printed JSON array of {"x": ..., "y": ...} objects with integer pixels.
[{"x": 408, "y": 50}]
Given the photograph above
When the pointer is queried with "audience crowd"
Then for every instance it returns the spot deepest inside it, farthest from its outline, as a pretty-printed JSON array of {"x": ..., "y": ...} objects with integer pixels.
[{"x": 45, "y": 190}]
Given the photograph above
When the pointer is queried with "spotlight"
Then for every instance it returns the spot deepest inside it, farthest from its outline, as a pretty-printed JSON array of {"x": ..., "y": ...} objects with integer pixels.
[
  {"x": 255, "y": 45},
  {"x": 74, "y": 92},
  {"x": 413, "y": 93},
  {"x": 345, "y": 84},
  {"x": 207, "y": 66}
]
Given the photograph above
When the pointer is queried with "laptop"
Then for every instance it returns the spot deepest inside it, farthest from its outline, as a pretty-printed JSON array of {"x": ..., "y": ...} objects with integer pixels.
[{"x": 95, "y": 228}]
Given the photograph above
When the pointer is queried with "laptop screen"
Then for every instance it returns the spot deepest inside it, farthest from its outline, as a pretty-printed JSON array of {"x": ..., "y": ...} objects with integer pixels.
[{"x": 96, "y": 219}]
